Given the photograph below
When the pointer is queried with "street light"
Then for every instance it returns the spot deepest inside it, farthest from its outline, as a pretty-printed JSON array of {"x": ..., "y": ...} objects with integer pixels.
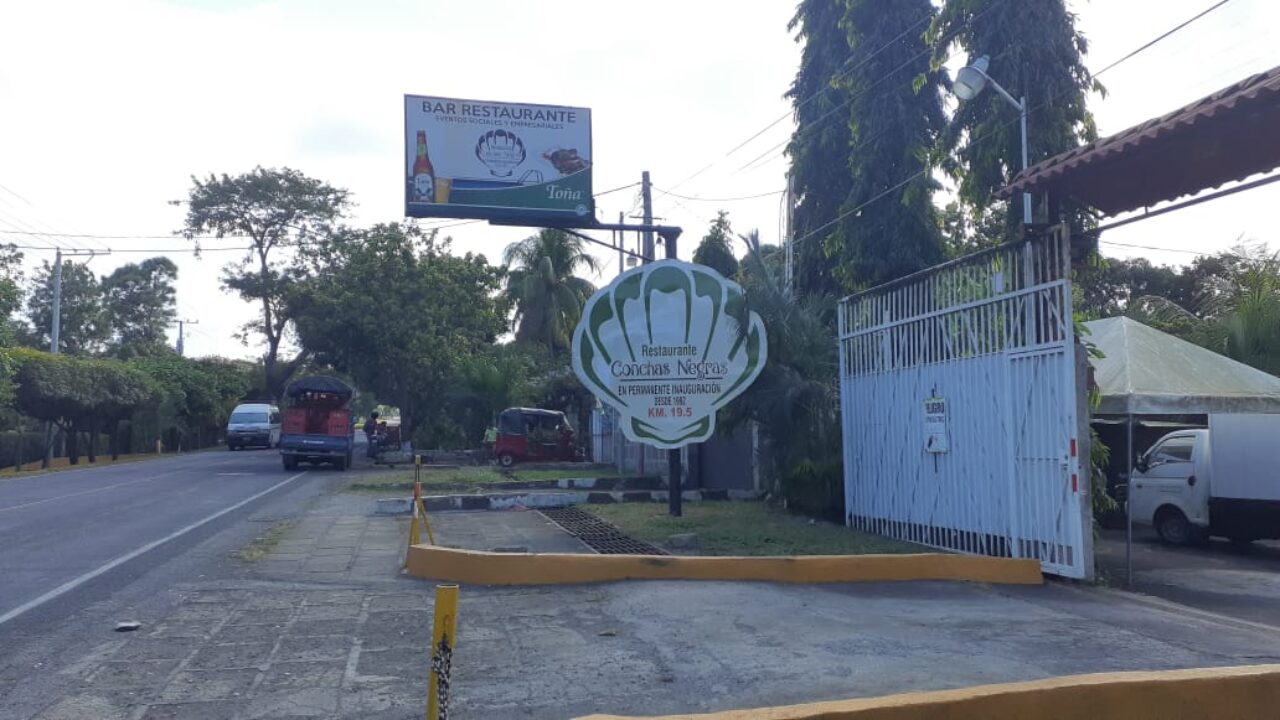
[{"x": 971, "y": 80}]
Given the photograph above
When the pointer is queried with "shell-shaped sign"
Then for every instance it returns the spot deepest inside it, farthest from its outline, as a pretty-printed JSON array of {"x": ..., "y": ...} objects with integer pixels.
[{"x": 668, "y": 344}]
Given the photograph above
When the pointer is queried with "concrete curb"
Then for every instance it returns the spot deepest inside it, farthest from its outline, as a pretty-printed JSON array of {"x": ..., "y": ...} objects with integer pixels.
[
  {"x": 630, "y": 482},
  {"x": 1198, "y": 694},
  {"x": 507, "y": 501},
  {"x": 484, "y": 568}
]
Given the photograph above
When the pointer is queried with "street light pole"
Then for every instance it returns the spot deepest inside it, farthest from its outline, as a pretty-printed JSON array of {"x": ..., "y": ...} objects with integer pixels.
[{"x": 970, "y": 80}]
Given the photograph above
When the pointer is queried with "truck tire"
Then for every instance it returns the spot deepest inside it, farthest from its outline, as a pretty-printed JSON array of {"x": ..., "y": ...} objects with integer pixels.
[
  {"x": 1174, "y": 527},
  {"x": 290, "y": 462},
  {"x": 506, "y": 460},
  {"x": 341, "y": 463}
]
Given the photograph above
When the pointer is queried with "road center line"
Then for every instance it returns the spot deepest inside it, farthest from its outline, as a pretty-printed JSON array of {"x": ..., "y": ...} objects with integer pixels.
[
  {"x": 77, "y": 582},
  {"x": 100, "y": 489}
]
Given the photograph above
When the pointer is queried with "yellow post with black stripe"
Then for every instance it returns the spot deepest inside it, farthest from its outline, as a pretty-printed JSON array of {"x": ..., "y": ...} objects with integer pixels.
[{"x": 443, "y": 638}]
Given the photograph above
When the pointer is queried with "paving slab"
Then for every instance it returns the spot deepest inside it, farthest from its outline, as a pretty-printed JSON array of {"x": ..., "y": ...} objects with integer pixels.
[
  {"x": 277, "y": 644},
  {"x": 486, "y": 530}
]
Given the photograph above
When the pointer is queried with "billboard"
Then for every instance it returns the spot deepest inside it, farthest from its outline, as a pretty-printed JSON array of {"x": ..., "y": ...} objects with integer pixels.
[
  {"x": 494, "y": 160},
  {"x": 667, "y": 345}
]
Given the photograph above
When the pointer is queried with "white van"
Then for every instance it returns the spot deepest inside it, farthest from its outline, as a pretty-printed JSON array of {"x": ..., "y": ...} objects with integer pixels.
[
  {"x": 1223, "y": 481},
  {"x": 253, "y": 424}
]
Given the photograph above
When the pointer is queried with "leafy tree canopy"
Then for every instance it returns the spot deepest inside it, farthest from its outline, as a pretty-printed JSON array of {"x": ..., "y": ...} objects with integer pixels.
[
  {"x": 139, "y": 302},
  {"x": 715, "y": 250}
]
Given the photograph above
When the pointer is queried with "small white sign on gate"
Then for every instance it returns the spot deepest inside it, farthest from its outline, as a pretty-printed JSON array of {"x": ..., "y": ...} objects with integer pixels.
[{"x": 935, "y": 425}]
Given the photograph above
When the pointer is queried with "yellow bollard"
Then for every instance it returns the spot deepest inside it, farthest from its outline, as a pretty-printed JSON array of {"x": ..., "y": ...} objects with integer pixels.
[{"x": 443, "y": 638}]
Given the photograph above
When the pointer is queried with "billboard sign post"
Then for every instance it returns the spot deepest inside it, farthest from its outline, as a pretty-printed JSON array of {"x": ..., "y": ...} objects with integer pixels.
[{"x": 475, "y": 159}]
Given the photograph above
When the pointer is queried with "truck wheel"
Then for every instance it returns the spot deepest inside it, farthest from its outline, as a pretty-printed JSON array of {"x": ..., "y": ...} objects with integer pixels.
[
  {"x": 290, "y": 463},
  {"x": 506, "y": 460},
  {"x": 341, "y": 463},
  {"x": 1174, "y": 527}
]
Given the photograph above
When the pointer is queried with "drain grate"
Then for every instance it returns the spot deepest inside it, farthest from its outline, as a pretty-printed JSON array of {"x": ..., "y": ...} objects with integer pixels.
[{"x": 599, "y": 535}]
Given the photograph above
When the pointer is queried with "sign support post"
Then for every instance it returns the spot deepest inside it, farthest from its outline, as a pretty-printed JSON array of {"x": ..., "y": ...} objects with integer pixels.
[{"x": 675, "y": 483}]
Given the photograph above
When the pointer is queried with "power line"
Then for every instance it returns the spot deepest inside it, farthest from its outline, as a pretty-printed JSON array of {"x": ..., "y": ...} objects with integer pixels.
[
  {"x": 796, "y": 108},
  {"x": 826, "y": 87},
  {"x": 37, "y": 220},
  {"x": 729, "y": 199},
  {"x": 925, "y": 170}
]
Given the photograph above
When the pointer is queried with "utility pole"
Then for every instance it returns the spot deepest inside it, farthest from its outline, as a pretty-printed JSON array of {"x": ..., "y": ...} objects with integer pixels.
[
  {"x": 181, "y": 324},
  {"x": 790, "y": 236},
  {"x": 646, "y": 192},
  {"x": 55, "y": 333}
]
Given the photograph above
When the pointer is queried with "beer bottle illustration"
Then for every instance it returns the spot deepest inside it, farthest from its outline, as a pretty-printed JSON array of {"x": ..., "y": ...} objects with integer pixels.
[{"x": 424, "y": 175}]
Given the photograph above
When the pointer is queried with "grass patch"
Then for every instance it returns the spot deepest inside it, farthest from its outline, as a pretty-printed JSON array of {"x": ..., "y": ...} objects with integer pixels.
[
  {"x": 432, "y": 479},
  {"x": 566, "y": 474},
  {"x": 264, "y": 543},
  {"x": 745, "y": 528}
]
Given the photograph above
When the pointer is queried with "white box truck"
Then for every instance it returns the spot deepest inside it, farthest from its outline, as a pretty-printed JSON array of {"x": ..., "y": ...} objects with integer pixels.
[{"x": 1223, "y": 481}]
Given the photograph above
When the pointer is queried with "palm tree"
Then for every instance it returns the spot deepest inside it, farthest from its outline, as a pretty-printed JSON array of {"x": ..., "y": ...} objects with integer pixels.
[{"x": 541, "y": 285}]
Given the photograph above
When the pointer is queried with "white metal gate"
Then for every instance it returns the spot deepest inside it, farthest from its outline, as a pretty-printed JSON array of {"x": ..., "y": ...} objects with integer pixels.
[{"x": 986, "y": 339}]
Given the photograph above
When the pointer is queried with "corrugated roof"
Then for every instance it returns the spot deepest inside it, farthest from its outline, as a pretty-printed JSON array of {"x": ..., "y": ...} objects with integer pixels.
[{"x": 1223, "y": 137}]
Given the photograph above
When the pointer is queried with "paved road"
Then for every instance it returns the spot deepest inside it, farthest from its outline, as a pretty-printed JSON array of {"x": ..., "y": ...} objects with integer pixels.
[
  {"x": 1214, "y": 576},
  {"x": 67, "y": 538}
]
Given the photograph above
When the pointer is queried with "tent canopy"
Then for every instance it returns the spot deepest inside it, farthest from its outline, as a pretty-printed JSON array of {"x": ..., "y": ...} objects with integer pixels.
[{"x": 1148, "y": 372}]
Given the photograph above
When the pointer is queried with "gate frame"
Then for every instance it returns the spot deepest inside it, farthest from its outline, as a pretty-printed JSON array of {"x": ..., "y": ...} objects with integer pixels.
[{"x": 1038, "y": 270}]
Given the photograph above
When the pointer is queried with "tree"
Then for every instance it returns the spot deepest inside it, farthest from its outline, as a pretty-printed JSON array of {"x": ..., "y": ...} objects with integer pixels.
[
  {"x": 795, "y": 398},
  {"x": 273, "y": 208},
  {"x": 543, "y": 288},
  {"x": 10, "y": 290},
  {"x": 434, "y": 311},
  {"x": 83, "y": 326},
  {"x": 866, "y": 211},
  {"x": 714, "y": 251},
  {"x": 822, "y": 138},
  {"x": 79, "y": 394},
  {"x": 139, "y": 302},
  {"x": 1037, "y": 53}
]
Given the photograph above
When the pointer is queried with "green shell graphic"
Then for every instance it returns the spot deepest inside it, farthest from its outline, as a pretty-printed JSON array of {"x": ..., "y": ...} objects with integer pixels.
[{"x": 667, "y": 345}]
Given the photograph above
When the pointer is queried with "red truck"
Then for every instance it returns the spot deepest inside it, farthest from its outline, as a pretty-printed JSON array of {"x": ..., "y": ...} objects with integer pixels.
[{"x": 318, "y": 426}]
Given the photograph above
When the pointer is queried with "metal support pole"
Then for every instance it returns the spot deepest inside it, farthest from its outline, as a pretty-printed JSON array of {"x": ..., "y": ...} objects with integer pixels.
[
  {"x": 675, "y": 483},
  {"x": 55, "y": 331},
  {"x": 646, "y": 193},
  {"x": 1128, "y": 503},
  {"x": 1026, "y": 196}
]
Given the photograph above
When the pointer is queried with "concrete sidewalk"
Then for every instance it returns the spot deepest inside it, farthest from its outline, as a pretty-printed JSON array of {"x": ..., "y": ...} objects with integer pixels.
[{"x": 325, "y": 626}]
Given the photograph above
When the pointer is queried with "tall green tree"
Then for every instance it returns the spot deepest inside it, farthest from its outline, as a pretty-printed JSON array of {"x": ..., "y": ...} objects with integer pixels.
[
  {"x": 83, "y": 324},
  {"x": 432, "y": 312},
  {"x": 1036, "y": 52},
  {"x": 715, "y": 250},
  {"x": 273, "y": 209},
  {"x": 889, "y": 229},
  {"x": 869, "y": 112},
  {"x": 544, "y": 288},
  {"x": 139, "y": 302},
  {"x": 822, "y": 138}
]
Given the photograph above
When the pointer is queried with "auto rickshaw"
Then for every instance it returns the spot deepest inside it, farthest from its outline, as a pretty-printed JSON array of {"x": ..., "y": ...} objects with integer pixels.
[{"x": 531, "y": 434}]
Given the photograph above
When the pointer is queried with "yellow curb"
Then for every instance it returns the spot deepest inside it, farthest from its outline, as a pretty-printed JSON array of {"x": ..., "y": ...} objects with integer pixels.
[
  {"x": 1233, "y": 693},
  {"x": 485, "y": 568}
]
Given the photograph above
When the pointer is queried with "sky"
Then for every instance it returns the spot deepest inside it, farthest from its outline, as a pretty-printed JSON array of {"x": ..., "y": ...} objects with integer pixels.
[{"x": 108, "y": 109}]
